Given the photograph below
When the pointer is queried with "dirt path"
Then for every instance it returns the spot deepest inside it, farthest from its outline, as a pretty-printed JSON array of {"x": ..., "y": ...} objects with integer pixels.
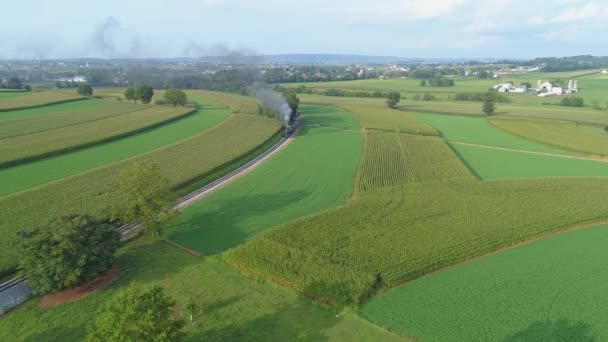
[{"x": 527, "y": 152}]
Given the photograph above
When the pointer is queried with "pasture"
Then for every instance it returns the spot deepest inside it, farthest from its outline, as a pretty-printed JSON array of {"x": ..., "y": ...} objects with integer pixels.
[
  {"x": 25, "y": 148},
  {"x": 561, "y": 134},
  {"x": 314, "y": 173},
  {"x": 37, "y": 99},
  {"x": 494, "y": 154},
  {"x": 87, "y": 193},
  {"x": 20, "y": 124},
  {"x": 23, "y": 177},
  {"x": 547, "y": 290},
  {"x": 234, "y": 307},
  {"x": 390, "y": 236}
]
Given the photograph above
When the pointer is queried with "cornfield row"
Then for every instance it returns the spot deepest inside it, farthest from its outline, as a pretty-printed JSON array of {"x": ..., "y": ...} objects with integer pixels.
[
  {"x": 391, "y": 159},
  {"x": 396, "y": 234},
  {"x": 236, "y": 103},
  {"x": 37, "y": 99}
]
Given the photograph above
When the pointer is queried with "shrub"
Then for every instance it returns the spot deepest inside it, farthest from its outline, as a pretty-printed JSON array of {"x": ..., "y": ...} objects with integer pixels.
[{"x": 572, "y": 101}]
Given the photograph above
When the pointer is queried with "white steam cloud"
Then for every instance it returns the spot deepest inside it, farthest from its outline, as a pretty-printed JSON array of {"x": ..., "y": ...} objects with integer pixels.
[{"x": 276, "y": 102}]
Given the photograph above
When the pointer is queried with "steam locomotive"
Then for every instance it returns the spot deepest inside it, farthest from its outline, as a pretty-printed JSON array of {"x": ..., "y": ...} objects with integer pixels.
[{"x": 293, "y": 125}]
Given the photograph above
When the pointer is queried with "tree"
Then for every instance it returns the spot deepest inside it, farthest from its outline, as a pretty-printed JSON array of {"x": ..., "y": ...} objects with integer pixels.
[
  {"x": 28, "y": 87},
  {"x": 392, "y": 99},
  {"x": 572, "y": 101},
  {"x": 85, "y": 89},
  {"x": 606, "y": 129},
  {"x": 130, "y": 94},
  {"x": 143, "y": 93},
  {"x": 142, "y": 192},
  {"x": 292, "y": 100},
  {"x": 66, "y": 252},
  {"x": 137, "y": 313},
  {"x": 176, "y": 97},
  {"x": 423, "y": 83},
  {"x": 489, "y": 106},
  {"x": 14, "y": 83},
  {"x": 527, "y": 84}
]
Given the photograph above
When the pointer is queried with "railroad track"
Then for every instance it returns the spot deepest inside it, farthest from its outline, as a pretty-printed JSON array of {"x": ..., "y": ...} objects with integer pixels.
[{"x": 15, "y": 291}]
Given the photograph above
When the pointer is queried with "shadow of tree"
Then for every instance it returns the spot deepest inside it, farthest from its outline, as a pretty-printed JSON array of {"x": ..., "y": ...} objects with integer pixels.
[
  {"x": 286, "y": 323},
  {"x": 57, "y": 334},
  {"x": 562, "y": 330},
  {"x": 217, "y": 229}
]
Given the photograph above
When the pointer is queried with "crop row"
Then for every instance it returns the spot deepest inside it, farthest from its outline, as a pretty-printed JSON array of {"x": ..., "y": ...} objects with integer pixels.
[
  {"x": 88, "y": 193},
  {"x": 236, "y": 103},
  {"x": 392, "y": 159},
  {"x": 37, "y": 99},
  {"x": 17, "y": 125},
  {"x": 561, "y": 134},
  {"x": 396, "y": 234},
  {"x": 34, "y": 146}
]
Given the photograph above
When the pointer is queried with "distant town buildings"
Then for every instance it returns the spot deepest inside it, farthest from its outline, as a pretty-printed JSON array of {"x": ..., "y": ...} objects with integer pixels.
[{"x": 75, "y": 79}]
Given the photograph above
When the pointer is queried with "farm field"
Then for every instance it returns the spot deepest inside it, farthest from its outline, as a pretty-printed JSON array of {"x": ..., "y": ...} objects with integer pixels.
[
  {"x": 11, "y": 127},
  {"x": 564, "y": 135},
  {"x": 23, "y": 177},
  {"x": 25, "y": 148},
  {"x": 179, "y": 162},
  {"x": 391, "y": 159},
  {"x": 5, "y": 94},
  {"x": 235, "y": 308},
  {"x": 489, "y": 163},
  {"x": 547, "y": 290},
  {"x": 54, "y": 109},
  {"x": 314, "y": 173},
  {"x": 389, "y": 236},
  {"x": 36, "y": 99}
]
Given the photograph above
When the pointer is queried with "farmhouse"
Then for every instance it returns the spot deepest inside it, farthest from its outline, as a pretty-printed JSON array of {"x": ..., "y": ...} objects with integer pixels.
[
  {"x": 545, "y": 89},
  {"x": 604, "y": 71},
  {"x": 509, "y": 88}
]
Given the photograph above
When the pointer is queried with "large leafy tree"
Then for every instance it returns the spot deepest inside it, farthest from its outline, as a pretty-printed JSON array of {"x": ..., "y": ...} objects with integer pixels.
[
  {"x": 143, "y": 193},
  {"x": 85, "y": 89},
  {"x": 392, "y": 99},
  {"x": 14, "y": 83},
  {"x": 176, "y": 97},
  {"x": 137, "y": 313},
  {"x": 130, "y": 94},
  {"x": 143, "y": 93},
  {"x": 489, "y": 106},
  {"x": 65, "y": 252}
]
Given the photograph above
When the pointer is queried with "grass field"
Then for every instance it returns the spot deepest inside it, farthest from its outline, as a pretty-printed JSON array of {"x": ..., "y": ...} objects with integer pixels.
[
  {"x": 564, "y": 135},
  {"x": 488, "y": 163},
  {"x": 391, "y": 159},
  {"x": 23, "y": 177},
  {"x": 315, "y": 172},
  {"x": 548, "y": 290},
  {"x": 11, "y": 127},
  {"x": 88, "y": 193},
  {"x": 36, "y": 99},
  {"x": 375, "y": 116},
  {"x": 59, "y": 108},
  {"x": 25, "y": 148},
  {"x": 4, "y": 94},
  {"x": 398, "y": 234},
  {"x": 234, "y": 307}
]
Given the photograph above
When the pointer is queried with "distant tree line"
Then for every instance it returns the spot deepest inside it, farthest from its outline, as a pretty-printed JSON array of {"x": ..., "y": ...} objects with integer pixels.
[
  {"x": 480, "y": 97},
  {"x": 16, "y": 84}
]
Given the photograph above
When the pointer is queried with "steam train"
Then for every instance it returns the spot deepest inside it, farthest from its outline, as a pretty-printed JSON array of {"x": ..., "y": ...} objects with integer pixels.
[{"x": 293, "y": 125}]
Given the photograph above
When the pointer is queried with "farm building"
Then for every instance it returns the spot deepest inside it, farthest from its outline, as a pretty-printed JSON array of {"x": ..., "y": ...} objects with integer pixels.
[
  {"x": 545, "y": 89},
  {"x": 604, "y": 71},
  {"x": 75, "y": 79},
  {"x": 510, "y": 88}
]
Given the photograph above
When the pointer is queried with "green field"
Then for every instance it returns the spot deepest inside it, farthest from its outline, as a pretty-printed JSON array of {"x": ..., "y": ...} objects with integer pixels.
[
  {"x": 23, "y": 177},
  {"x": 234, "y": 307},
  {"x": 548, "y": 290},
  {"x": 36, "y": 99},
  {"x": 315, "y": 172},
  {"x": 398, "y": 234},
  {"x": 20, "y": 125},
  {"x": 56, "y": 109},
  {"x": 391, "y": 159},
  {"x": 562, "y": 134},
  {"x": 5, "y": 94},
  {"x": 488, "y": 163},
  {"x": 26, "y": 148}
]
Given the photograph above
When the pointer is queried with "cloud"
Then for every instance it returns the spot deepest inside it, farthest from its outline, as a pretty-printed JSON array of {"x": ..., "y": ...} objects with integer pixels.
[
  {"x": 400, "y": 11},
  {"x": 590, "y": 10},
  {"x": 476, "y": 41}
]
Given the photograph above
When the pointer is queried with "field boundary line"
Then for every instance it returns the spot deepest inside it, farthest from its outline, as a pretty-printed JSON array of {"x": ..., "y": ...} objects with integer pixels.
[
  {"x": 332, "y": 127},
  {"x": 45, "y": 104},
  {"x": 527, "y": 152}
]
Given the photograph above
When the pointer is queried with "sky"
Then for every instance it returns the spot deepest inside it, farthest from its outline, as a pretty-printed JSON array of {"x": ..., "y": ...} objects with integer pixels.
[{"x": 404, "y": 28}]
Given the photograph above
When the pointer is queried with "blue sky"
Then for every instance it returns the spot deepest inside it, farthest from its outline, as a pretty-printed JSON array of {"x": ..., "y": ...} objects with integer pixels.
[{"x": 407, "y": 28}]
